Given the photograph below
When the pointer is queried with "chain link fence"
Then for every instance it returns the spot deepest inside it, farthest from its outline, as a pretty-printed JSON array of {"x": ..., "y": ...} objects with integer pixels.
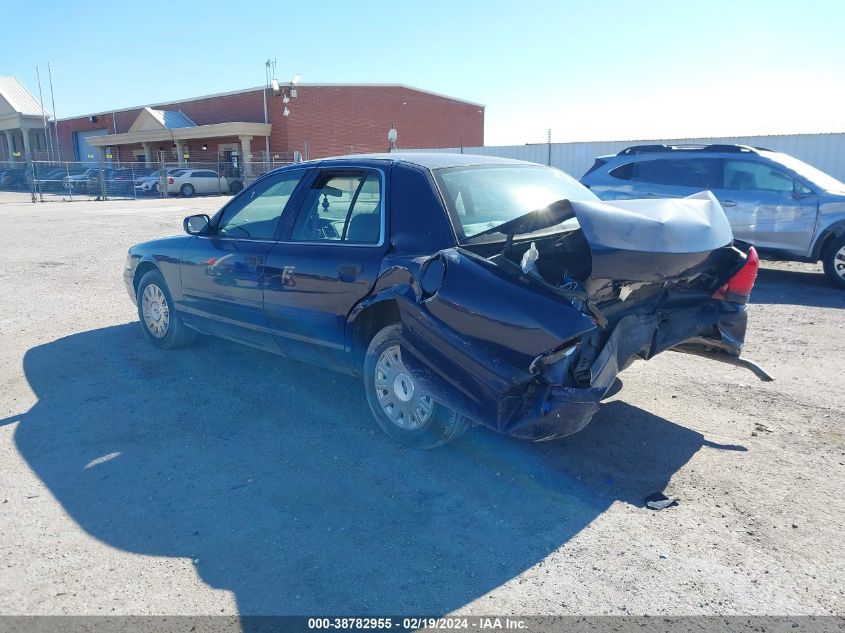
[{"x": 32, "y": 180}]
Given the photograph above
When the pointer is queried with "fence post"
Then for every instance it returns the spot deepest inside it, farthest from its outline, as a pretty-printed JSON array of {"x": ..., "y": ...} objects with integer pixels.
[
  {"x": 132, "y": 183},
  {"x": 102, "y": 174},
  {"x": 31, "y": 165},
  {"x": 162, "y": 175},
  {"x": 69, "y": 184}
]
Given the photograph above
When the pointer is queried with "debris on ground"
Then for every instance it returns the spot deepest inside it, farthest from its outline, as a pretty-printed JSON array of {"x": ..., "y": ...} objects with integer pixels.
[{"x": 658, "y": 501}]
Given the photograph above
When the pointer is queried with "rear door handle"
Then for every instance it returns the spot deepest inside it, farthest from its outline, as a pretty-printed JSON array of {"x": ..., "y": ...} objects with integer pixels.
[
  {"x": 728, "y": 203},
  {"x": 349, "y": 270}
]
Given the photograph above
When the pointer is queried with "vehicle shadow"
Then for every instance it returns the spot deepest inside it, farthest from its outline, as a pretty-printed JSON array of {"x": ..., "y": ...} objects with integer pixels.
[
  {"x": 271, "y": 476},
  {"x": 796, "y": 287}
]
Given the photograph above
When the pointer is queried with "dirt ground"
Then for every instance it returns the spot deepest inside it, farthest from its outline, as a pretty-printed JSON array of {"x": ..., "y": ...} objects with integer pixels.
[{"x": 222, "y": 480}]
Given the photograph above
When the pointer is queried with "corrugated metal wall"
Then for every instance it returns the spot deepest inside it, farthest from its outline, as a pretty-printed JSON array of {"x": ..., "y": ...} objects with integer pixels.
[{"x": 825, "y": 151}]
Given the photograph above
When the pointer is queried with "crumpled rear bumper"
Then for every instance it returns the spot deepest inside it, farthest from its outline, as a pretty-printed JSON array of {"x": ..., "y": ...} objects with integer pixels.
[{"x": 512, "y": 401}]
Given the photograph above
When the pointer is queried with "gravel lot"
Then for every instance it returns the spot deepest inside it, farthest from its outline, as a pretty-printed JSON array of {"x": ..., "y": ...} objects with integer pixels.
[{"x": 220, "y": 479}]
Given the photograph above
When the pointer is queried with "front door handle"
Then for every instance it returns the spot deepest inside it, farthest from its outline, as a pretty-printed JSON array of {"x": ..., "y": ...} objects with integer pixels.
[
  {"x": 349, "y": 270},
  {"x": 728, "y": 203}
]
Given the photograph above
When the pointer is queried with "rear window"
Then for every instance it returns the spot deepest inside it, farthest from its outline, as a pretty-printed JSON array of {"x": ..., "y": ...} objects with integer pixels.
[{"x": 482, "y": 197}]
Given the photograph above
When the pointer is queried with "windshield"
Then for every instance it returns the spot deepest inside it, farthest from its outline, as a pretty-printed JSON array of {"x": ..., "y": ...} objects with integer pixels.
[
  {"x": 483, "y": 197},
  {"x": 815, "y": 176}
]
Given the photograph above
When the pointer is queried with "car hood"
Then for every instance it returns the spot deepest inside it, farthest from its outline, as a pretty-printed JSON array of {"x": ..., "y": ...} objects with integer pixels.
[{"x": 165, "y": 246}]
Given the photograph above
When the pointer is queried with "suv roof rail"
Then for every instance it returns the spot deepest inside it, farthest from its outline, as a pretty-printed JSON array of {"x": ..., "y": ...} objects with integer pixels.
[{"x": 691, "y": 147}]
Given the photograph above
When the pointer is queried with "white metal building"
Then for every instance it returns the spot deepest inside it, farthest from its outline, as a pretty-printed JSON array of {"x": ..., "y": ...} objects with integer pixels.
[{"x": 824, "y": 151}]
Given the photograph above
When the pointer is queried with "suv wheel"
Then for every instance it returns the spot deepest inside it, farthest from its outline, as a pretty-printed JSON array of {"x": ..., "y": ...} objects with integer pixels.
[
  {"x": 407, "y": 414},
  {"x": 834, "y": 261}
]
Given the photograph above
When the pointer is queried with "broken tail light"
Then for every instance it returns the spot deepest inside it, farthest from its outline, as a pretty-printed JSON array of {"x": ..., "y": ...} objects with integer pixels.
[{"x": 738, "y": 288}]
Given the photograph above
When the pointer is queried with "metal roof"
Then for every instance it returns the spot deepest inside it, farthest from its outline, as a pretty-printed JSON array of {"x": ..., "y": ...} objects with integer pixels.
[
  {"x": 172, "y": 119},
  {"x": 18, "y": 97}
]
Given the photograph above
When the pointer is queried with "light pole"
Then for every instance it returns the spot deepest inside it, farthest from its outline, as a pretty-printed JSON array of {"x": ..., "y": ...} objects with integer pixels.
[
  {"x": 287, "y": 93},
  {"x": 269, "y": 70}
]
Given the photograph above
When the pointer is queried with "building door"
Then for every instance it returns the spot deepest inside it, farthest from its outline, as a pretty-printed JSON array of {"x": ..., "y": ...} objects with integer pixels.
[{"x": 85, "y": 152}]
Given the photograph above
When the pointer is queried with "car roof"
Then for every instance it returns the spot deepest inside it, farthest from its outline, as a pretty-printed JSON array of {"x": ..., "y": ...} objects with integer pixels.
[
  {"x": 645, "y": 152},
  {"x": 428, "y": 160}
]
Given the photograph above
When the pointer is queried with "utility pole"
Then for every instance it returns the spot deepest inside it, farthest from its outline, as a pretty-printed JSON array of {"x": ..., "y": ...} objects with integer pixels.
[
  {"x": 55, "y": 118},
  {"x": 48, "y": 138},
  {"x": 549, "y": 143}
]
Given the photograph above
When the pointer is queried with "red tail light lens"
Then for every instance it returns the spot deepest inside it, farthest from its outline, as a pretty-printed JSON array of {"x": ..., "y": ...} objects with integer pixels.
[
  {"x": 170, "y": 180},
  {"x": 738, "y": 288}
]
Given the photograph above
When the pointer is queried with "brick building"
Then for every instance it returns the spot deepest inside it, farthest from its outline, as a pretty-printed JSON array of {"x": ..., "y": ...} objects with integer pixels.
[{"x": 323, "y": 120}]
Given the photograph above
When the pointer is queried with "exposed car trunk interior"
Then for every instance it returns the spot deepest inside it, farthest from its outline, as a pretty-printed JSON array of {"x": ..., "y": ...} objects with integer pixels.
[{"x": 566, "y": 262}]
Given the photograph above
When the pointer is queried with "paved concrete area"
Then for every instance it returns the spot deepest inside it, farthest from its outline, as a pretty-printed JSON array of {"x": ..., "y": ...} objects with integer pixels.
[{"x": 222, "y": 480}]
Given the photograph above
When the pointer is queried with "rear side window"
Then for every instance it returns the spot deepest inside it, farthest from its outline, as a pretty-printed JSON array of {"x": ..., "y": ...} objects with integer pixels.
[
  {"x": 341, "y": 207},
  {"x": 696, "y": 173}
]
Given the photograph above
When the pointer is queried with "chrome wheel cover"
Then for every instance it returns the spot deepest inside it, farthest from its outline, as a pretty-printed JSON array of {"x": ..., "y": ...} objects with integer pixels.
[
  {"x": 839, "y": 262},
  {"x": 156, "y": 311},
  {"x": 398, "y": 397}
]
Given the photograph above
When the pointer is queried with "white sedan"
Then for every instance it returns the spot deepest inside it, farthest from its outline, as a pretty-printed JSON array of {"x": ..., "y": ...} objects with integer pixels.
[
  {"x": 198, "y": 181},
  {"x": 149, "y": 184}
]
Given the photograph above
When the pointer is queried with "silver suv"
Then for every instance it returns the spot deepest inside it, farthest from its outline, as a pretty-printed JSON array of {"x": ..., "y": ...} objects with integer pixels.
[{"x": 780, "y": 204}]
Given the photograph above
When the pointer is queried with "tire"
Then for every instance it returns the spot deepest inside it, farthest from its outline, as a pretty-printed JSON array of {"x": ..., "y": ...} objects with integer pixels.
[
  {"x": 187, "y": 190},
  {"x": 430, "y": 424},
  {"x": 834, "y": 262},
  {"x": 161, "y": 324},
  {"x": 235, "y": 186}
]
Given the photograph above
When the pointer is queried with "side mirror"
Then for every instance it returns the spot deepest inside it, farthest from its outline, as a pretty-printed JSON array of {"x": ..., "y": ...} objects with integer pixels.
[{"x": 196, "y": 224}]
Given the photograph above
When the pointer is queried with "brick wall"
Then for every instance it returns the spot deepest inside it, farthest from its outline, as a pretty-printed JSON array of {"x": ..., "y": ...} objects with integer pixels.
[
  {"x": 341, "y": 119},
  {"x": 331, "y": 119}
]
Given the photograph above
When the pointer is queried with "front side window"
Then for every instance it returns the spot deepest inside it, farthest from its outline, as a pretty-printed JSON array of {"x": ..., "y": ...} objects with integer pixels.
[
  {"x": 741, "y": 175},
  {"x": 255, "y": 213},
  {"x": 341, "y": 207},
  {"x": 482, "y": 197}
]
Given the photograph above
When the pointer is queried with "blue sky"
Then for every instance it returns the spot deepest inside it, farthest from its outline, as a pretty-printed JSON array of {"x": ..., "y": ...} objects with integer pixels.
[{"x": 587, "y": 70}]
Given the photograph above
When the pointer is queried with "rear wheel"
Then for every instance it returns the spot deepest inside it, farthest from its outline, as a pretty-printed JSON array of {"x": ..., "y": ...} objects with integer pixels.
[
  {"x": 407, "y": 414},
  {"x": 834, "y": 261},
  {"x": 187, "y": 190},
  {"x": 162, "y": 325}
]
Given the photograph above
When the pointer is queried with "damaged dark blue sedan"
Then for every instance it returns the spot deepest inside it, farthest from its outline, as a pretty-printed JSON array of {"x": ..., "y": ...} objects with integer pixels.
[{"x": 464, "y": 289}]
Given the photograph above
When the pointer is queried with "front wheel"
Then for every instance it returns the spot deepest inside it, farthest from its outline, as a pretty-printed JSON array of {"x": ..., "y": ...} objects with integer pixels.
[
  {"x": 407, "y": 414},
  {"x": 162, "y": 325},
  {"x": 834, "y": 262}
]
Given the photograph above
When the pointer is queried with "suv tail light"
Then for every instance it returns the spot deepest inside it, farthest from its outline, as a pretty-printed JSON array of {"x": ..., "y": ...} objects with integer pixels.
[
  {"x": 738, "y": 288},
  {"x": 170, "y": 180}
]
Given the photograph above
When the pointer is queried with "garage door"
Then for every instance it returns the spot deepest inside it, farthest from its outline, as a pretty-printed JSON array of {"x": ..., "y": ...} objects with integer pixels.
[{"x": 85, "y": 152}]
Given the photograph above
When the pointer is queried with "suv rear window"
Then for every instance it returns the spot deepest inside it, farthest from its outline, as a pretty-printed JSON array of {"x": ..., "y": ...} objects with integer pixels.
[{"x": 696, "y": 173}]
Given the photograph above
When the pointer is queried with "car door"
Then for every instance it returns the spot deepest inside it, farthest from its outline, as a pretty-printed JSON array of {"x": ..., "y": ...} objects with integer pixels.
[
  {"x": 328, "y": 260},
  {"x": 211, "y": 182},
  {"x": 200, "y": 180},
  {"x": 222, "y": 272},
  {"x": 767, "y": 206}
]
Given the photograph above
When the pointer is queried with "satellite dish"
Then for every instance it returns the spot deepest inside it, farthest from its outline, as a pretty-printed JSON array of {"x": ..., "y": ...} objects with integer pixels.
[
  {"x": 392, "y": 135},
  {"x": 274, "y": 84}
]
